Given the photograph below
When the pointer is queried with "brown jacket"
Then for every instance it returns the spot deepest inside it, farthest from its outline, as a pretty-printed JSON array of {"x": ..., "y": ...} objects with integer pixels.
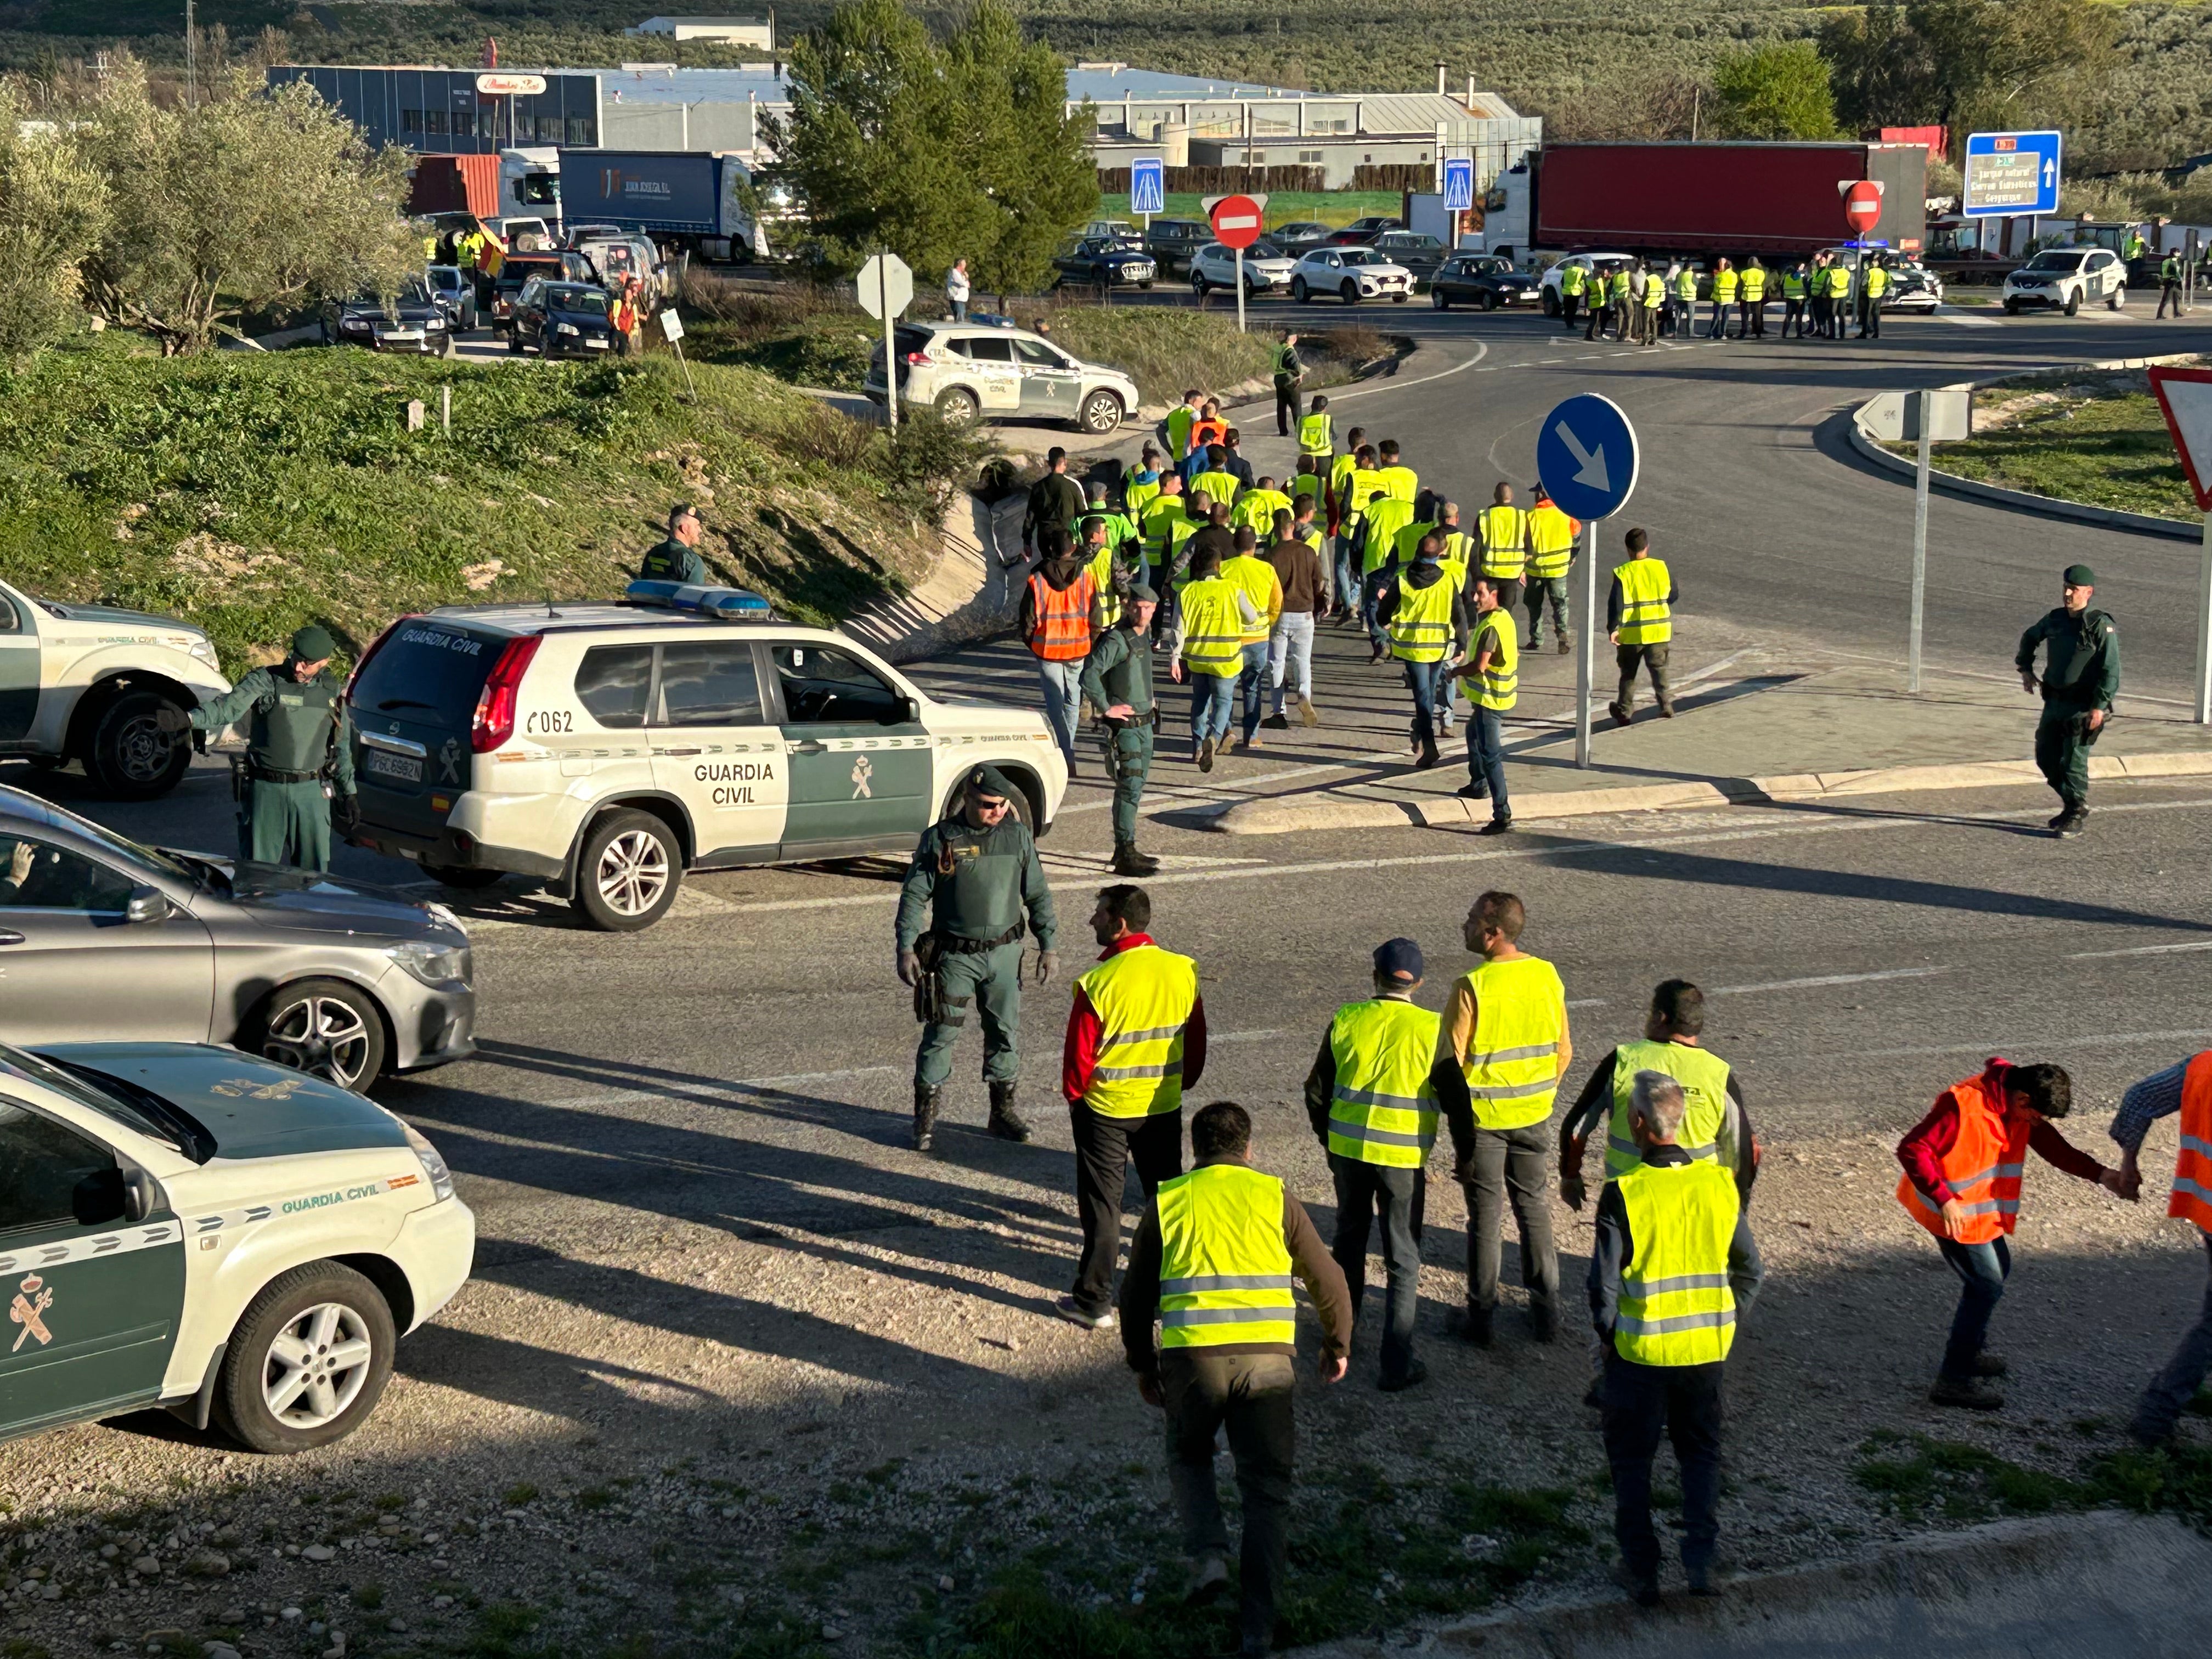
[{"x": 1299, "y": 569}]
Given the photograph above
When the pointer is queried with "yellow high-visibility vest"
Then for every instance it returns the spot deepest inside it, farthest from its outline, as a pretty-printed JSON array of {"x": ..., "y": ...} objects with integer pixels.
[
  {"x": 1458, "y": 555},
  {"x": 1260, "y": 585},
  {"x": 1724, "y": 285},
  {"x": 1504, "y": 542},
  {"x": 1400, "y": 482},
  {"x": 1142, "y": 997},
  {"x": 1755, "y": 284},
  {"x": 1386, "y": 515},
  {"x": 1222, "y": 486},
  {"x": 1225, "y": 1267},
  {"x": 1384, "y": 1107},
  {"x": 1646, "y": 618},
  {"x": 1213, "y": 628},
  {"x": 1676, "y": 1308},
  {"x": 1685, "y": 284},
  {"x": 1420, "y": 628},
  {"x": 1257, "y": 511},
  {"x": 1551, "y": 541},
  {"x": 1703, "y": 1076},
  {"x": 1513, "y": 1066},
  {"x": 1135, "y": 497},
  {"x": 1499, "y": 686},
  {"x": 1315, "y": 437}
]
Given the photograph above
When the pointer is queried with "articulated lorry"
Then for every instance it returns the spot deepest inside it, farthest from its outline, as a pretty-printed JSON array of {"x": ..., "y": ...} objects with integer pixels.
[
  {"x": 519, "y": 186},
  {"x": 680, "y": 199}
]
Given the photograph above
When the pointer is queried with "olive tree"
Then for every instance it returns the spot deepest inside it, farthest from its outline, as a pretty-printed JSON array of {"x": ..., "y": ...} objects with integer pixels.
[{"x": 53, "y": 209}]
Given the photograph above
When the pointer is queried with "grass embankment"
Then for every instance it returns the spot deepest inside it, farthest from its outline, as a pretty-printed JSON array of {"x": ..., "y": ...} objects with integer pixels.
[
  {"x": 250, "y": 494},
  {"x": 1949, "y": 1481},
  {"x": 2100, "y": 440}
]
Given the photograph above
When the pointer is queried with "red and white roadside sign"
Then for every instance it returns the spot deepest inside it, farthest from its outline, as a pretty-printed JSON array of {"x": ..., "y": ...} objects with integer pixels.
[
  {"x": 2185, "y": 397},
  {"x": 1861, "y": 204},
  {"x": 1236, "y": 219}
]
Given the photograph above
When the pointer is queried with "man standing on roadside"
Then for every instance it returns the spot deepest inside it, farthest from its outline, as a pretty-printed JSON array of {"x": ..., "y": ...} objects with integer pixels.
[
  {"x": 1427, "y": 624},
  {"x": 1296, "y": 561},
  {"x": 1060, "y": 606},
  {"x": 1136, "y": 1040},
  {"x": 1179, "y": 420},
  {"x": 1550, "y": 535},
  {"x": 1213, "y": 617},
  {"x": 1639, "y": 619},
  {"x": 1054, "y": 499},
  {"x": 1290, "y": 373},
  {"x": 1117, "y": 679},
  {"x": 2169, "y": 288},
  {"x": 2081, "y": 678},
  {"x": 2185, "y": 1088},
  {"x": 1226, "y": 1355},
  {"x": 677, "y": 559},
  {"x": 1494, "y": 671},
  {"x": 956, "y": 290}
]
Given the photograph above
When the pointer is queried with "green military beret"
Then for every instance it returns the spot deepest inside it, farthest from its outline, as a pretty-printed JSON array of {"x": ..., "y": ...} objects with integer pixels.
[
  {"x": 2079, "y": 575},
  {"x": 989, "y": 781},
  {"x": 314, "y": 643},
  {"x": 1139, "y": 593}
]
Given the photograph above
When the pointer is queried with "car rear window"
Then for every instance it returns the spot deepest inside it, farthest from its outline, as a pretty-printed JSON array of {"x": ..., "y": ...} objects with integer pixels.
[{"x": 425, "y": 671}]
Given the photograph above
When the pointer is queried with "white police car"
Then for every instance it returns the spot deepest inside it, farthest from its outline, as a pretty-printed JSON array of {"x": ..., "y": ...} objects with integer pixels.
[
  {"x": 607, "y": 748},
  {"x": 182, "y": 1225}
]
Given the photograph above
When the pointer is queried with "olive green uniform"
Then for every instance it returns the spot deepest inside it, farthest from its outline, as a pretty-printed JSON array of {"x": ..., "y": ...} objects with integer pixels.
[
  {"x": 299, "y": 735},
  {"x": 1119, "y": 670},
  {"x": 672, "y": 562},
  {"x": 976, "y": 886},
  {"x": 2082, "y": 673}
]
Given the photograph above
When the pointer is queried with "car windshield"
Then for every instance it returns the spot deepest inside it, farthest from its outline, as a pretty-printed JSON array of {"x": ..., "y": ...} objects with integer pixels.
[
  {"x": 584, "y": 301},
  {"x": 1265, "y": 249},
  {"x": 136, "y": 1109},
  {"x": 1489, "y": 267},
  {"x": 1361, "y": 256},
  {"x": 445, "y": 278},
  {"x": 2054, "y": 260},
  {"x": 411, "y": 292}
]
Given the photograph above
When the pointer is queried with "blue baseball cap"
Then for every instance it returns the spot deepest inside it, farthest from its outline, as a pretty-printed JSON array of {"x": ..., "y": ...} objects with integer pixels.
[{"x": 1398, "y": 959}]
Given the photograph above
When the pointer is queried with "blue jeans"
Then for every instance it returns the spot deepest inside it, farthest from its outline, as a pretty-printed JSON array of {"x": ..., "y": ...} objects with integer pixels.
[
  {"x": 1486, "y": 758},
  {"x": 1290, "y": 657},
  {"x": 1212, "y": 703},
  {"x": 1252, "y": 686},
  {"x": 2172, "y": 1388},
  {"x": 1421, "y": 681},
  {"x": 1347, "y": 575},
  {"x": 1981, "y": 1270},
  {"x": 1370, "y": 608},
  {"x": 1063, "y": 700}
]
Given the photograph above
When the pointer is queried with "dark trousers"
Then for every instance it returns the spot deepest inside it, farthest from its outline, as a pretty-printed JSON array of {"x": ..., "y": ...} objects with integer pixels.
[
  {"x": 1719, "y": 330},
  {"x": 1366, "y": 1193},
  {"x": 1568, "y": 305},
  {"x": 1104, "y": 1149},
  {"x": 1685, "y": 1402},
  {"x": 1651, "y": 657},
  {"x": 1981, "y": 1270},
  {"x": 1793, "y": 311},
  {"x": 1248, "y": 1396},
  {"x": 1818, "y": 308},
  {"x": 2062, "y": 752},
  {"x": 1486, "y": 758},
  {"x": 990, "y": 982},
  {"x": 1869, "y": 319},
  {"x": 2172, "y": 1388},
  {"x": 1513, "y": 1164},
  {"x": 1540, "y": 589},
  {"x": 1595, "y": 325},
  {"x": 1287, "y": 408},
  {"x": 1752, "y": 319},
  {"x": 2169, "y": 294}
]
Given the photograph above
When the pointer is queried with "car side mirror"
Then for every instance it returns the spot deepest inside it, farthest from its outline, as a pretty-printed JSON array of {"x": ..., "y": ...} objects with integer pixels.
[
  {"x": 100, "y": 1198},
  {"x": 147, "y": 904},
  {"x": 903, "y": 711}
]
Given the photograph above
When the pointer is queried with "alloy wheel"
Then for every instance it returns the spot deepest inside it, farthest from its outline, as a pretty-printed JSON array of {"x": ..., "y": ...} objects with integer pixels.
[
  {"x": 633, "y": 872},
  {"x": 316, "y": 1366},
  {"x": 322, "y": 1036}
]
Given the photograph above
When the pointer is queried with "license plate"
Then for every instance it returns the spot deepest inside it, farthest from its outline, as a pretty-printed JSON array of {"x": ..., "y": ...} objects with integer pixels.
[
  {"x": 407, "y": 768},
  {"x": 596, "y": 344},
  {"x": 401, "y": 334}
]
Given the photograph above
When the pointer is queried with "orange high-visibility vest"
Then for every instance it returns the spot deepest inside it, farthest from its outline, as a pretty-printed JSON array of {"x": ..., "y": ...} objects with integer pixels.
[
  {"x": 2192, "y": 1175},
  {"x": 1062, "y": 632},
  {"x": 1983, "y": 1167}
]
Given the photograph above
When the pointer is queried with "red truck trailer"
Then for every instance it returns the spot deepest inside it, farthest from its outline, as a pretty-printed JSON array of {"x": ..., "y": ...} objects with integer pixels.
[
  {"x": 454, "y": 183},
  {"x": 1722, "y": 197}
]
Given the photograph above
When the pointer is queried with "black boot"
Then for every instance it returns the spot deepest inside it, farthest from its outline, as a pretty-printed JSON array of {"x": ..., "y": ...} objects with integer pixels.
[
  {"x": 1007, "y": 1122},
  {"x": 927, "y": 1100},
  {"x": 1128, "y": 861}
]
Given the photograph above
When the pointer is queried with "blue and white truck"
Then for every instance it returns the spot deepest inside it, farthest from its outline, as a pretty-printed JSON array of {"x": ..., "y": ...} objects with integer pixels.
[{"x": 680, "y": 198}]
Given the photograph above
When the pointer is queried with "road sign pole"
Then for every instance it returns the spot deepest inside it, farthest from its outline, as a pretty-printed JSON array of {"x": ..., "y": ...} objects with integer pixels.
[
  {"x": 1919, "y": 542},
  {"x": 2204, "y": 629},
  {"x": 1240, "y": 290},
  {"x": 1585, "y": 664},
  {"x": 891, "y": 343}
]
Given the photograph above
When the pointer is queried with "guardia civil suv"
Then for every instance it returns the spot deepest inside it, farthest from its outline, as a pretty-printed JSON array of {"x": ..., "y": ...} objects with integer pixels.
[{"x": 606, "y": 748}]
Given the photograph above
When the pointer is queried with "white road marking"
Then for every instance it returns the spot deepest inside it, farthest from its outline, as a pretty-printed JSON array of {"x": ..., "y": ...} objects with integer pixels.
[
  {"x": 1480, "y": 352},
  {"x": 1964, "y": 319},
  {"x": 1586, "y": 1002},
  {"x": 1824, "y": 979},
  {"x": 2142, "y": 951},
  {"x": 2042, "y": 1043}
]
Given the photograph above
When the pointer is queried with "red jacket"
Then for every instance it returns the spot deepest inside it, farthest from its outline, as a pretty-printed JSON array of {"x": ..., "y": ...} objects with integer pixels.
[
  {"x": 1079, "y": 1055},
  {"x": 1921, "y": 1150}
]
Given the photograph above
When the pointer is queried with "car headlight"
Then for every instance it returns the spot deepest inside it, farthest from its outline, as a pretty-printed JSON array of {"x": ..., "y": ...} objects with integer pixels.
[
  {"x": 433, "y": 1166},
  {"x": 357, "y": 325},
  {"x": 433, "y": 963},
  {"x": 565, "y": 328},
  {"x": 434, "y": 322},
  {"x": 204, "y": 650}
]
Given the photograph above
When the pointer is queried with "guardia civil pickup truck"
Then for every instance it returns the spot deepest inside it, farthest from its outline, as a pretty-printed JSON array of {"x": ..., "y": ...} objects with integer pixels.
[{"x": 187, "y": 1226}]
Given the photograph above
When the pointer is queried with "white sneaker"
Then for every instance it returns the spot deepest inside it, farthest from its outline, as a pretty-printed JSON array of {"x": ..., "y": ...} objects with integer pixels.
[{"x": 1066, "y": 1307}]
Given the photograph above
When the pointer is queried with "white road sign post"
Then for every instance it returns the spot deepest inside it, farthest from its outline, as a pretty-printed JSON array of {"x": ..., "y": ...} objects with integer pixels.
[
  {"x": 1937, "y": 415},
  {"x": 2185, "y": 397},
  {"x": 885, "y": 286},
  {"x": 1586, "y": 457},
  {"x": 671, "y": 330}
]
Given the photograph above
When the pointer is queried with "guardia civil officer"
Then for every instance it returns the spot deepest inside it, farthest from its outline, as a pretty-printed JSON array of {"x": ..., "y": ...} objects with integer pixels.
[
  {"x": 677, "y": 559},
  {"x": 2081, "y": 678},
  {"x": 299, "y": 752},
  {"x": 976, "y": 872},
  {"x": 1117, "y": 678}
]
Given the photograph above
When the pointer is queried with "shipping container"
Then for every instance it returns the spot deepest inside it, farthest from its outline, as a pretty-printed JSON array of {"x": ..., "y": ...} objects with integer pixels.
[
  {"x": 1732, "y": 199},
  {"x": 454, "y": 183}
]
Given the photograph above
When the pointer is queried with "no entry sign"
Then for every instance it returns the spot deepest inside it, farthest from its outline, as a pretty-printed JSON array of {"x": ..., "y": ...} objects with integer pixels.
[
  {"x": 1861, "y": 204},
  {"x": 1236, "y": 221}
]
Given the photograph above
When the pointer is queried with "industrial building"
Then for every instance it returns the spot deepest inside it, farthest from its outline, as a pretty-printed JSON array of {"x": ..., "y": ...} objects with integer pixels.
[{"x": 727, "y": 31}]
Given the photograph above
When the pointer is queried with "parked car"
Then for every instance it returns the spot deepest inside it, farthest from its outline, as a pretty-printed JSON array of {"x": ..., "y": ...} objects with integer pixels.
[
  {"x": 349, "y": 983},
  {"x": 411, "y": 320},
  {"x": 1600, "y": 265},
  {"x": 2066, "y": 279},
  {"x": 1171, "y": 242},
  {"x": 1913, "y": 286},
  {"x": 617, "y": 259},
  {"x": 565, "y": 319},
  {"x": 1352, "y": 274},
  {"x": 1267, "y": 269},
  {"x": 1418, "y": 251},
  {"x": 1105, "y": 262},
  {"x": 566, "y": 266},
  {"x": 187, "y": 1227},
  {"x": 580, "y": 234},
  {"x": 1360, "y": 232},
  {"x": 971, "y": 370},
  {"x": 605, "y": 748},
  {"x": 455, "y": 294},
  {"x": 1483, "y": 280},
  {"x": 89, "y": 683},
  {"x": 1300, "y": 234},
  {"x": 1119, "y": 230}
]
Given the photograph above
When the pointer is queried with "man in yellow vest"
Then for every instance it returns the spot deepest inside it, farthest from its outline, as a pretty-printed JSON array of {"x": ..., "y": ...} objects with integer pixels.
[
  {"x": 1380, "y": 520},
  {"x": 1793, "y": 300},
  {"x": 1136, "y": 1040},
  {"x": 1639, "y": 619},
  {"x": 1573, "y": 279},
  {"x": 1315, "y": 435},
  {"x": 1177, "y": 428},
  {"x": 1263, "y": 589},
  {"x": 1550, "y": 555},
  {"x": 1650, "y": 303},
  {"x": 1726, "y": 281},
  {"x": 1673, "y": 1268},
  {"x": 1213, "y": 617},
  {"x": 1373, "y": 1097},
  {"x": 1502, "y": 532},
  {"x": 1685, "y": 301},
  {"x": 1493, "y": 673},
  {"x": 1213, "y": 1261},
  {"x": 2184, "y": 1089},
  {"x": 1505, "y": 1031},
  {"x": 1876, "y": 290},
  {"x": 1752, "y": 290},
  {"x": 1839, "y": 298},
  {"x": 1216, "y": 479},
  {"x": 1428, "y": 624}
]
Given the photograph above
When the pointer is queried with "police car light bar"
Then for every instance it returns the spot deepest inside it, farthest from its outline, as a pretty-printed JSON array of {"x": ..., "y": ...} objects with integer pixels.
[{"x": 726, "y": 603}]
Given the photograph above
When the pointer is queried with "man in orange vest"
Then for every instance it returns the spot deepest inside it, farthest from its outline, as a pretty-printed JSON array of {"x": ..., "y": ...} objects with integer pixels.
[
  {"x": 2185, "y": 1088},
  {"x": 1059, "y": 606},
  {"x": 1963, "y": 1164}
]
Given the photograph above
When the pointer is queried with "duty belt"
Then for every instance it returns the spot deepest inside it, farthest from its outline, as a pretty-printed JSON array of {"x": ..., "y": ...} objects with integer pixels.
[
  {"x": 261, "y": 773},
  {"x": 952, "y": 944},
  {"x": 1150, "y": 717}
]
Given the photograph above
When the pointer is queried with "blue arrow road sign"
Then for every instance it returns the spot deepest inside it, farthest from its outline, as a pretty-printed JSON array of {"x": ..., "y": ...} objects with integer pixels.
[
  {"x": 1147, "y": 185},
  {"x": 1586, "y": 456},
  {"x": 2011, "y": 173},
  {"x": 1459, "y": 186}
]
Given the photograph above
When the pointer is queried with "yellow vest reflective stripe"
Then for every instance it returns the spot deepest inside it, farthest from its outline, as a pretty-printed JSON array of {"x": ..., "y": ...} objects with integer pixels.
[
  {"x": 1408, "y": 541},
  {"x": 1646, "y": 618},
  {"x": 1754, "y": 284},
  {"x": 1513, "y": 1066},
  {"x": 1313, "y": 435},
  {"x": 1213, "y": 628},
  {"x": 1257, "y": 579},
  {"x": 1102, "y": 581},
  {"x": 1685, "y": 283},
  {"x": 1384, "y": 1109},
  {"x": 1364, "y": 488},
  {"x": 1386, "y": 516},
  {"x": 1224, "y": 1269},
  {"x": 1676, "y": 1308},
  {"x": 1179, "y": 424},
  {"x": 1551, "y": 541},
  {"x": 1704, "y": 1077},
  {"x": 1877, "y": 283},
  {"x": 1724, "y": 286},
  {"x": 1504, "y": 542},
  {"x": 1420, "y": 628},
  {"x": 1161, "y": 514},
  {"x": 1654, "y": 291},
  {"x": 1573, "y": 280},
  {"x": 1839, "y": 282},
  {"x": 1142, "y": 997},
  {"x": 1341, "y": 471},
  {"x": 1499, "y": 686}
]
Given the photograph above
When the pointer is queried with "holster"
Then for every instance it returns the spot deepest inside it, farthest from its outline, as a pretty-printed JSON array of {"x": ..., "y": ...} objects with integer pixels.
[
  {"x": 928, "y": 989},
  {"x": 241, "y": 780}
]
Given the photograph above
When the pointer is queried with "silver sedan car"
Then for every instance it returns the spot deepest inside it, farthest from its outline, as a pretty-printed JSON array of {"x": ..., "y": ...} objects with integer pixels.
[{"x": 101, "y": 939}]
